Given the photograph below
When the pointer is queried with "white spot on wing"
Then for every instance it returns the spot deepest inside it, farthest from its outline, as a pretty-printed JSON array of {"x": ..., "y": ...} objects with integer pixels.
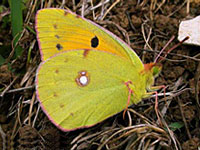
[{"x": 83, "y": 80}]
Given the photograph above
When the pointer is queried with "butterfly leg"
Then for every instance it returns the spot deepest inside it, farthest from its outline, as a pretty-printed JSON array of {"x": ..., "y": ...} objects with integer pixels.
[
  {"x": 159, "y": 87},
  {"x": 156, "y": 99},
  {"x": 130, "y": 91}
]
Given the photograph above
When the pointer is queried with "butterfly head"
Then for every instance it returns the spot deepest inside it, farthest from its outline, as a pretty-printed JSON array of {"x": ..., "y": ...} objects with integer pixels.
[{"x": 151, "y": 70}]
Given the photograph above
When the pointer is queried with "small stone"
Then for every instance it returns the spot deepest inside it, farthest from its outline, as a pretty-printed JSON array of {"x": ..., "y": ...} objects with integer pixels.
[{"x": 190, "y": 28}]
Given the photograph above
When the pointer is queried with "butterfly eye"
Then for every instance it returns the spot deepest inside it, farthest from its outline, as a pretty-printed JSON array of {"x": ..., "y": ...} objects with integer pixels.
[
  {"x": 156, "y": 70},
  {"x": 82, "y": 78}
]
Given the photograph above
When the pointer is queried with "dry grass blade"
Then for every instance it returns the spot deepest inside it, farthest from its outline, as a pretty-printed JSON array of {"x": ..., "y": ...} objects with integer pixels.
[{"x": 3, "y": 136}]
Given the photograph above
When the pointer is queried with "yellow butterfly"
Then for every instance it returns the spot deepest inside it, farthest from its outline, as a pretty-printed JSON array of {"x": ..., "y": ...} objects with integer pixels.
[{"x": 87, "y": 74}]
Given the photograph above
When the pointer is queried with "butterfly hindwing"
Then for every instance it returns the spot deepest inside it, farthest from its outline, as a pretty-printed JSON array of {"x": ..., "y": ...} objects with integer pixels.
[{"x": 80, "y": 88}]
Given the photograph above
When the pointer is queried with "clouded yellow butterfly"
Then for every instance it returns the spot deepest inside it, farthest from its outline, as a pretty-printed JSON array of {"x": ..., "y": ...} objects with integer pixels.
[{"x": 87, "y": 74}]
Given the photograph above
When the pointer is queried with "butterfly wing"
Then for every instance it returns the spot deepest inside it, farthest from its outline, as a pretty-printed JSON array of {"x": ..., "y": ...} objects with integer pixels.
[
  {"x": 81, "y": 88},
  {"x": 61, "y": 30}
]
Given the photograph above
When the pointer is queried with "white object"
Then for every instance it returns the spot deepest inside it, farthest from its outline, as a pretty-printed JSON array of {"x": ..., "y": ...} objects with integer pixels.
[{"x": 190, "y": 28}]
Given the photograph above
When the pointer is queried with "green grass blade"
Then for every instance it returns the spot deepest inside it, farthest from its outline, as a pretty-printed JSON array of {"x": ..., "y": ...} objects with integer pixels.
[{"x": 17, "y": 23}]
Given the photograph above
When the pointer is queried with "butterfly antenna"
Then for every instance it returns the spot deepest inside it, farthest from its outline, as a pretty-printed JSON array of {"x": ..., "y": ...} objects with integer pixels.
[
  {"x": 172, "y": 38},
  {"x": 160, "y": 58}
]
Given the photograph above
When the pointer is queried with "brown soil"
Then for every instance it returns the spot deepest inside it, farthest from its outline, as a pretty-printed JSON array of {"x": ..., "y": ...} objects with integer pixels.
[{"x": 147, "y": 26}]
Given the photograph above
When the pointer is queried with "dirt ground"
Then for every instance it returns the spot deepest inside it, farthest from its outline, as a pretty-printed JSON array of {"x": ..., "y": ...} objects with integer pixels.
[{"x": 147, "y": 26}]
